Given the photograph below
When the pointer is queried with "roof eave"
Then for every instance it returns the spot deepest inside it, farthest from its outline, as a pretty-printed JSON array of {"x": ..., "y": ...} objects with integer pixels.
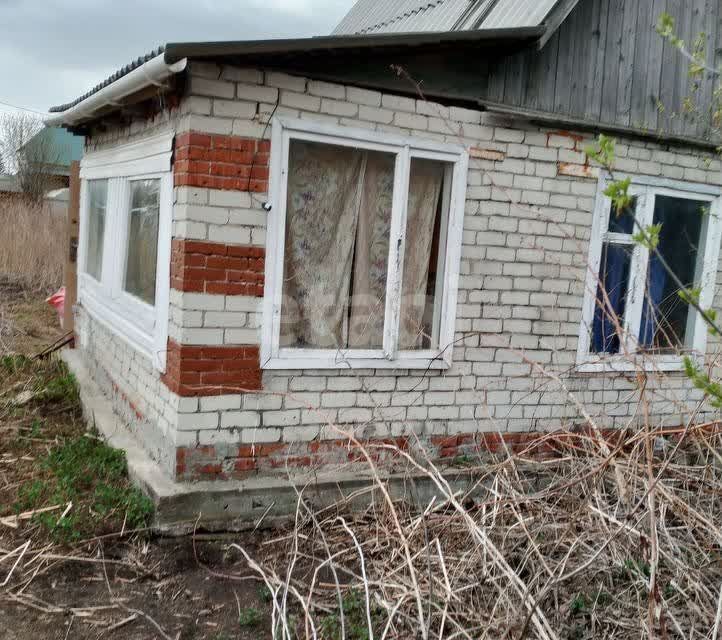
[
  {"x": 154, "y": 72},
  {"x": 177, "y": 50}
]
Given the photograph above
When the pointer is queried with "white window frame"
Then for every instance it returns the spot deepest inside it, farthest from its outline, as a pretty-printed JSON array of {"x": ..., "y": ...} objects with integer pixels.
[
  {"x": 404, "y": 148},
  {"x": 646, "y": 189},
  {"x": 143, "y": 326}
]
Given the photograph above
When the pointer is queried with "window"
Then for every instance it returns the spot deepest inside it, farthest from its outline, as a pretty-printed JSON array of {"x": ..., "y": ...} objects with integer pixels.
[
  {"x": 364, "y": 243},
  {"x": 633, "y": 313},
  {"x": 126, "y": 212},
  {"x": 97, "y": 203},
  {"x": 141, "y": 260}
]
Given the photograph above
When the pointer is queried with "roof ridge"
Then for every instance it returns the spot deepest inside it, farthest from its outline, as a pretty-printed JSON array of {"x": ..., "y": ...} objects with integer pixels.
[{"x": 401, "y": 16}]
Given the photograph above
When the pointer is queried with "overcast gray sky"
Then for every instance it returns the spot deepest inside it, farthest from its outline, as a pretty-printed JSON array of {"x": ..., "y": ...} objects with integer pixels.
[{"x": 52, "y": 51}]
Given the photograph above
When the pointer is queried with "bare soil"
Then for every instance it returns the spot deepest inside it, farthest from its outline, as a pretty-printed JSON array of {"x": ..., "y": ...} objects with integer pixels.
[
  {"x": 159, "y": 580},
  {"x": 108, "y": 585}
]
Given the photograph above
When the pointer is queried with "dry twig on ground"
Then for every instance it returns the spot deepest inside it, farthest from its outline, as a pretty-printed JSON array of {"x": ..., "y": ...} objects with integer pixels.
[{"x": 530, "y": 548}]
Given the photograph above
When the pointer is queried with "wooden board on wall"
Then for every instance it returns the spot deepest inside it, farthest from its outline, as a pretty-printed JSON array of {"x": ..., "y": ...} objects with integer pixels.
[{"x": 70, "y": 274}]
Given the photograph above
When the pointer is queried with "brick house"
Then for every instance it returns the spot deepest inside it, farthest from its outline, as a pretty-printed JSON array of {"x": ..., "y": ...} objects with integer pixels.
[{"x": 283, "y": 241}]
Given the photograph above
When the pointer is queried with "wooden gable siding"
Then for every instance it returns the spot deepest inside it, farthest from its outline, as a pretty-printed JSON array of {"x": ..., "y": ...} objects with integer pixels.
[{"x": 607, "y": 64}]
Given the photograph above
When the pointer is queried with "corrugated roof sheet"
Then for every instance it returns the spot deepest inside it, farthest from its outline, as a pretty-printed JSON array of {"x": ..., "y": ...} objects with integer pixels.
[
  {"x": 388, "y": 16},
  {"x": 372, "y": 16},
  {"x": 138, "y": 62},
  {"x": 518, "y": 13}
]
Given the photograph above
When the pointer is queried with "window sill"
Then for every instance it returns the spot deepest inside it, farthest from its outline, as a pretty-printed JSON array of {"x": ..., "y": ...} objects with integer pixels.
[
  {"x": 310, "y": 362},
  {"x": 648, "y": 364}
]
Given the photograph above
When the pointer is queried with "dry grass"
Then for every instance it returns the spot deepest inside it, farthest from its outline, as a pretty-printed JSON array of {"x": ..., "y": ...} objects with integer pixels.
[
  {"x": 615, "y": 539},
  {"x": 32, "y": 245}
]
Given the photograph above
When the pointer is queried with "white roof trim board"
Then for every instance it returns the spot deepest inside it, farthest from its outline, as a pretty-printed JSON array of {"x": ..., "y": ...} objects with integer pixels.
[{"x": 406, "y": 16}]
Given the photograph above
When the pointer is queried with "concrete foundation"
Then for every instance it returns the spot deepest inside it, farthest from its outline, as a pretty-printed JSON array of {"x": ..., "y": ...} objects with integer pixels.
[{"x": 181, "y": 508}]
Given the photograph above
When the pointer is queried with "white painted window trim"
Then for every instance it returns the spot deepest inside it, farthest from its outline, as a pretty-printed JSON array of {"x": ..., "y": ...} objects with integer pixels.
[
  {"x": 272, "y": 356},
  {"x": 646, "y": 189},
  {"x": 142, "y": 326}
]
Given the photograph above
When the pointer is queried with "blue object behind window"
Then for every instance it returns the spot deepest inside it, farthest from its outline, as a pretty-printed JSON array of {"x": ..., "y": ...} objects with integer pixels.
[
  {"x": 614, "y": 279},
  {"x": 623, "y": 221},
  {"x": 665, "y": 314}
]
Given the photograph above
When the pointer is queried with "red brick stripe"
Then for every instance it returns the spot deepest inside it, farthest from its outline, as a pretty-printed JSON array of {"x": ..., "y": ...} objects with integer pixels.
[
  {"x": 211, "y": 267},
  {"x": 221, "y": 162},
  {"x": 212, "y": 371},
  {"x": 237, "y": 462},
  {"x": 234, "y": 461}
]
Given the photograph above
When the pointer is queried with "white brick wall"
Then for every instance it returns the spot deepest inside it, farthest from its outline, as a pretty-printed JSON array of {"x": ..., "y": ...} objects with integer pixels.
[
  {"x": 128, "y": 377},
  {"x": 523, "y": 263}
]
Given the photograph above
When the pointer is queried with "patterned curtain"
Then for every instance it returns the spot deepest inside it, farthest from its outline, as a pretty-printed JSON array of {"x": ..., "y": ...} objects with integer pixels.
[
  {"x": 368, "y": 306},
  {"x": 321, "y": 219},
  {"x": 427, "y": 177},
  {"x": 338, "y": 224}
]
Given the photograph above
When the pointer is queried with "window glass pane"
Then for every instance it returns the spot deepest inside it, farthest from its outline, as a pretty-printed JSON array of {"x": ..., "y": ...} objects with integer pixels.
[
  {"x": 609, "y": 312},
  {"x": 140, "y": 269},
  {"x": 338, "y": 219},
  {"x": 423, "y": 275},
  {"x": 664, "y": 314},
  {"x": 97, "y": 202},
  {"x": 623, "y": 221}
]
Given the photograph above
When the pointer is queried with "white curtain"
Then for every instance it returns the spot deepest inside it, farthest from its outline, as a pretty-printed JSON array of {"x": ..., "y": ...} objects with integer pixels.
[
  {"x": 321, "y": 218},
  {"x": 338, "y": 222},
  {"x": 425, "y": 182},
  {"x": 368, "y": 302}
]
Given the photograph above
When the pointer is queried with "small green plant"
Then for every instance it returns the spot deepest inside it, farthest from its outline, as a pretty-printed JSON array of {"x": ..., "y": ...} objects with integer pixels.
[
  {"x": 636, "y": 567},
  {"x": 264, "y": 593},
  {"x": 463, "y": 461},
  {"x": 604, "y": 599},
  {"x": 29, "y": 495},
  {"x": 14, "y": 363},
  {"x": 249, "y": 617},
  {"x": 91, "y": 475},
  {"x": 355, "y": 619},
  {"x": 36, "y": 428},
  {"x": 579, "y": 605},
  {"x": 61, "y": 388}
]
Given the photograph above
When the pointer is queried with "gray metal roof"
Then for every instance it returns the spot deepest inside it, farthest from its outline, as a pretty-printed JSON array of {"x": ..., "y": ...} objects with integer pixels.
[
  {"x": 278, "y": 52},
  {"x": 388, "y": 16},
  {"x": 518, "y": 13},
  {"x": 374, "y": 16}
]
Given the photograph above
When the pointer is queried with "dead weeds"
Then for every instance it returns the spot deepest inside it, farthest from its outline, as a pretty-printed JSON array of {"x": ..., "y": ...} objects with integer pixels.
[
  {"x": 618, "y": 538},
  {"x": 75, "y": 558}
]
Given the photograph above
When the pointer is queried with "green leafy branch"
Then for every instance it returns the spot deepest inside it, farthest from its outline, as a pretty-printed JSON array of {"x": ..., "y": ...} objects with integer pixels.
[
  {"x": 618, "y": 191},
  {"x": 702, "y": 381},
  {"x": 666, "y": 29}
]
